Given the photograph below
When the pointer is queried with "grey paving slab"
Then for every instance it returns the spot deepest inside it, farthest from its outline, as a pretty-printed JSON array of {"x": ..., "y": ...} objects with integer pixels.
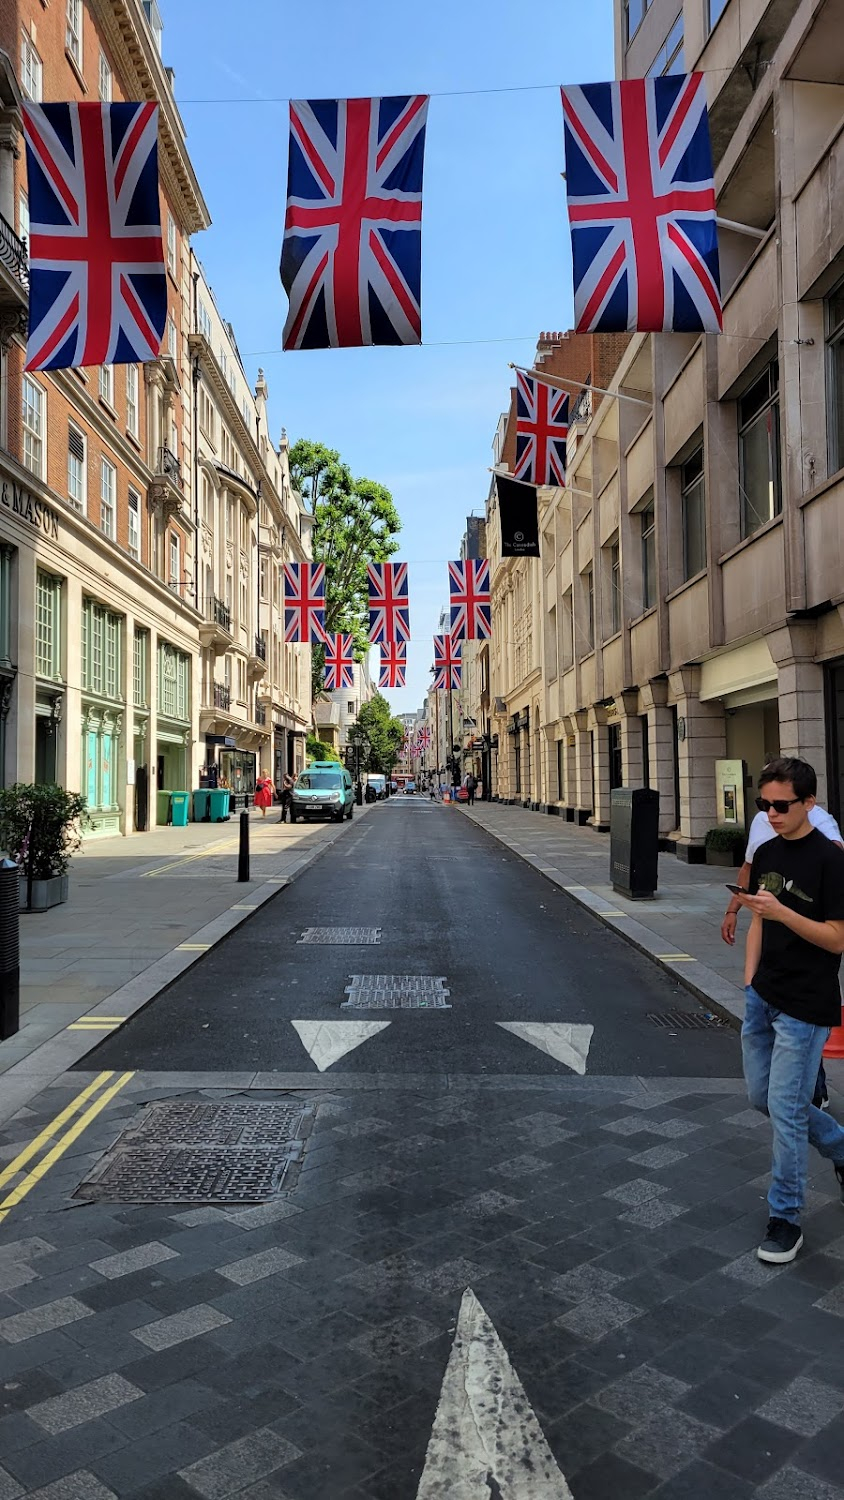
[
  {"x": 83, "y": 1404},
  {"x": 163, "y": 1333},
  {"x": 230, "y": 1469}
]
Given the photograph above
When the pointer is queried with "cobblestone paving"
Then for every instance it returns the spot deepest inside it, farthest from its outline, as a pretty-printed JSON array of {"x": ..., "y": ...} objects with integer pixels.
[{"x": 296, "y": 1349}]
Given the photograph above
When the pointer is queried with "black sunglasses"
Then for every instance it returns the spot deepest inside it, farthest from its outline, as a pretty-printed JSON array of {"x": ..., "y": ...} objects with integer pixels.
[{"x": 779, "y": 805}]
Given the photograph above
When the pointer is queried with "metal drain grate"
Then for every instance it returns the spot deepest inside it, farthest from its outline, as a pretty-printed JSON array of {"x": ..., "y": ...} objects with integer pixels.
[
  {"x": 396, "y": 992},
  {"x": 341, "y": 935},
  {"x": 684, "y": 1020},
  {"x": 184, "y": 1151}
]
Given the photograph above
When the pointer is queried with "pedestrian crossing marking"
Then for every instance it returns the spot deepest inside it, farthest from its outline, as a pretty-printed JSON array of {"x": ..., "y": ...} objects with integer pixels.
[
  {"x": 327, "y": 1041},
  {"x": 565, "y": 1041}
]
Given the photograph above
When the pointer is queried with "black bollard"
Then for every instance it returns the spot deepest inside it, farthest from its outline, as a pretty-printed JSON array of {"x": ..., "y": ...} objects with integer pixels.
[
  {"x": 9, "y": 950},
  {"x": 243, "y": 852}
]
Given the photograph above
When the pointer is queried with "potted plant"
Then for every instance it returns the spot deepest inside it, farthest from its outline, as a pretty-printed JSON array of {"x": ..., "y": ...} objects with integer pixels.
[
  {"x": 725, "y": 847},
  {"x": 40, "y": 829}
]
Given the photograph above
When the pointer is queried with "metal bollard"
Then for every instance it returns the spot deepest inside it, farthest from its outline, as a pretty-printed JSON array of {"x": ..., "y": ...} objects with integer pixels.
[
  {"x": 9, "y": 950},
  {"x": 243, "y": 852}
]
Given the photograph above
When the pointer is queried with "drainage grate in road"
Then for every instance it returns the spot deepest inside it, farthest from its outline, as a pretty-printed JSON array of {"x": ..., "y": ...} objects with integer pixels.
[
  {"x": 684, "y": 1020},
  {"x": 396, "y": 992},
  {"x": 341, "y": 935},
  {"x": 184, "y": 1151}
]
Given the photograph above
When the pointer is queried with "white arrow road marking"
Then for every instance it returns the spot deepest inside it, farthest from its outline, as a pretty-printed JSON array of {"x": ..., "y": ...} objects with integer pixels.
[
  {"x": 562, "y": 1040},
  {"x": 486, "y": 1439},
  {"x": 326, "y": 1041}
]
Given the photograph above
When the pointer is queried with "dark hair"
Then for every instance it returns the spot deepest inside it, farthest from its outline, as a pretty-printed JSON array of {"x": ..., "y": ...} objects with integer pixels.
[{"x": 789, "y": 768}]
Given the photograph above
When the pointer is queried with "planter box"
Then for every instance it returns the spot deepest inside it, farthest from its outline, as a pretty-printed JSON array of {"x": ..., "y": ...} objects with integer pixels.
[
  {"x": 45, "y": 893},
  {"x": 726, "y": 858}
]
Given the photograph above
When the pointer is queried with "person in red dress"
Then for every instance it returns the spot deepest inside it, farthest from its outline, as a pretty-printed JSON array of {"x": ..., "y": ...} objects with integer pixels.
[{"x": 264, "y": 794}]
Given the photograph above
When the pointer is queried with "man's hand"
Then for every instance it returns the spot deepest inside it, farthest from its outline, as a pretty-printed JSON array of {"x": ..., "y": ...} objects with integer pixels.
[
  {"x": 766, "y": 905},
  {"x": 728, "y": 928}
]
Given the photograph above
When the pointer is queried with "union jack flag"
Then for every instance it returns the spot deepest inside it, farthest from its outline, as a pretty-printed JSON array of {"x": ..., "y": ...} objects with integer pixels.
[
  {"x": 542, "y": 427},
  {"x": 97, "y": 283},
  {"x": 393, "y": 665},
  {"x": 389, "y": 603},
  {"x": 304, "y": 604},
  {"x": 425, "y": 737},
  {"x": 351, "y": 262},
  {"x": 339, "y": 663},
  {"x": 471, "y": 610},
  {"x": 447, "y": 664},
  {"x": 641, "y": 199}
]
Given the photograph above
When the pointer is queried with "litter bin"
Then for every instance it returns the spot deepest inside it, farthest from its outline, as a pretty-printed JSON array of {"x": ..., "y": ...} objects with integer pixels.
[
  {"x": 219, "y": 800},
  {"x": 239, "y": 801},
  {"x": 634, "y": 841},
  {"x": 162, "y": 807},
  {"x": 179, "y": 809},
  {"x": 201, "y": 800}
]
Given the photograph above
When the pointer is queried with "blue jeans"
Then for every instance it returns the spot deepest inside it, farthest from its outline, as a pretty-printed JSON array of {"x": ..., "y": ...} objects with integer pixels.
[{"x": 781, "y": 1060}]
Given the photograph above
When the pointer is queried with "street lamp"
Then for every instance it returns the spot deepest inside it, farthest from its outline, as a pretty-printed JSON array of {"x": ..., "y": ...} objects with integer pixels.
[{"x": 359, "y": 740}]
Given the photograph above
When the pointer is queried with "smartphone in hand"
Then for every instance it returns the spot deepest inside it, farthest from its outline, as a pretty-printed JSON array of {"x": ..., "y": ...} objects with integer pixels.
[{"x": 737, "y": 890}]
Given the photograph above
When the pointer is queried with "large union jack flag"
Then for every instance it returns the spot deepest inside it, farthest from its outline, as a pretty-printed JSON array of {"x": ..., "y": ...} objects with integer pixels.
[
  {"x": 339, "y": 663},
  {"x": 447, "y": 664},
  {"x": 393, "y": 665},
  {"x": 351, "y": 263},
  {"x": 98, "y": 288},
  {"x": 304, "y": 604},
  {"x": 641, "y": 200},
  {"x": 471, "y": 610},
  {"x": 425, "y": 737},
  {"x": 389, "y": 603},
  {"x": 542, "y": 429}
]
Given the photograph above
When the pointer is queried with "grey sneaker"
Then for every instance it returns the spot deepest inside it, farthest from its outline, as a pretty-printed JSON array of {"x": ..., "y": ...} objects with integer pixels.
[{"x": 782, "y": 1240}]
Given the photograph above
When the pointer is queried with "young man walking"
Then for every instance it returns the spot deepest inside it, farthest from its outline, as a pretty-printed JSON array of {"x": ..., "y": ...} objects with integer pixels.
[{"x": 792, "y": 997}]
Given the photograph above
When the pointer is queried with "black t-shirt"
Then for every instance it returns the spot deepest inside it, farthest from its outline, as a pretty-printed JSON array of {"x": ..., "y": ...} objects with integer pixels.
[{"x": 795, "y": 976}]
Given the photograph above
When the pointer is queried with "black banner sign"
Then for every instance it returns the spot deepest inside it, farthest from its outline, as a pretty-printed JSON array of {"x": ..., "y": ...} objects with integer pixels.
[{"x": 519, "y": 518}]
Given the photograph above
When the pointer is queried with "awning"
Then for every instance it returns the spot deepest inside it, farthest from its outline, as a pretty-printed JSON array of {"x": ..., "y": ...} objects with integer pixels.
[{"x": 746, "y": 669}]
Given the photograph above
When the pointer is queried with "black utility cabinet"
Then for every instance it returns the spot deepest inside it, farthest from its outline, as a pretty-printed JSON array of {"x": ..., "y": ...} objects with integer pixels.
[{"x": 634, "y": 841}]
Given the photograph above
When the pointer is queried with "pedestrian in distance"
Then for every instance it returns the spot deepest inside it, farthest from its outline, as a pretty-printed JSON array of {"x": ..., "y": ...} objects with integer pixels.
[
  {"x": 264, "y": 792},
  {"x": 471, "y": 788},
  {"x": 792, "y": 998},
  {"x": 286, "y": 795}
]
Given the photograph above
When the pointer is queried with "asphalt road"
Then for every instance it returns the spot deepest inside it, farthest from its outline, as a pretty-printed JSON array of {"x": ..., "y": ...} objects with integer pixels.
[{"x": 450, "y": 902}]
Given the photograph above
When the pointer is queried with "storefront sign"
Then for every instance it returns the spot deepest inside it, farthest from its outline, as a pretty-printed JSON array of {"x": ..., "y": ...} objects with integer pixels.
[
  {"x": 730, "y": 781},
  {"x": 21, "y": 503}
]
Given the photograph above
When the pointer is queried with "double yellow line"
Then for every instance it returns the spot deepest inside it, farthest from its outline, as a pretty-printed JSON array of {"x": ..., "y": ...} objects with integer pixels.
[{"x": 55, "y": 1139}]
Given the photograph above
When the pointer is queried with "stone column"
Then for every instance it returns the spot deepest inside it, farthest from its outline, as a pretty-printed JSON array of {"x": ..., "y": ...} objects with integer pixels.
[
  {"x": 580, "y": 791},
  {"x": 702, "y": 739},
  {"x": 71, "y": 737},
  {"x": 800, "y": 688},
  {"x": 630, "y": 725},
  {"x": 597, "y": 721},
  {"x": 125, "y": 750},
  {"x": 152, "y": 728},
  {"x": 653, "y": 698},
  {"x": 21, "y": 726}
]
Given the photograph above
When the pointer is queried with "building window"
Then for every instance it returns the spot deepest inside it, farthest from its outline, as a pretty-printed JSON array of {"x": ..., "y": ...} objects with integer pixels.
[
  {"x": 73, "y": 31},
  {"x": 693, "y": 506},
  {"x": 716, "y": 10},
  {"x": 31, "y": 70},
  {"x": 102, "y": 649},
  {"x": 670, "y": 57},
  {"x": 203, "y": 318},
  {"x": 567, "y": 628},
  {"x": 104, "y": 80},
  {"x": 34, "y": 427},
  {"x": 634, "y": 13},
  {"x": 175, "y": 560},
  {"x": 614, "y": 580},
  {"x": 172, "y": 340},
  {"x": 835, "y": 368},
  {"x": 107, "y": 383},
  {"x": 135, "y": 524},
  {"x": 76, "y": 468},
  {"x": 171, "y": 245},
  {"x": 23, "y": 216},
  {"x": 262, "y": 568},
  {"x": 759, "y": 452},
  {"x": 140, "y": 665},
  {"x": 648, "y": 535},
  {"x": 588, "y": 580},
  {"x": 48, "y": 598},
  {"x": 153, "y": 15},
  {"x": 243, "y": 603},
  {"x": 108, "y": 496},
  {"x": 132, "y": 399},
  {"x": 173, "y": 682}
]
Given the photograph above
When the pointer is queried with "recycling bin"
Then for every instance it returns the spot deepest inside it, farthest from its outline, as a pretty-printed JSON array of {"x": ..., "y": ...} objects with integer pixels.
[
  {"x": 219, "y": 802},
  {"x": 162, "y": 806},
  {"x": 201, "y": 801},
  {"x": 179, "y": 809}
]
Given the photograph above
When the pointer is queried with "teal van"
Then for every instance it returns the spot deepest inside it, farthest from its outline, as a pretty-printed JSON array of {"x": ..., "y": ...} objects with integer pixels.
[{"x": 323, "y": 790}]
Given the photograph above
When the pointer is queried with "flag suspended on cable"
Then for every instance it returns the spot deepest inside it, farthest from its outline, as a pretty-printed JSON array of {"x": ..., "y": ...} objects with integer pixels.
[
  {"x": 97, "y": 282},
  {"x": 389, "y": 603},
  {"x": 425, "y": 737},
  {"x": 304, "y": 604},
  {"x": 447, "y": 664},
  {"x": 471, "y": 610},
  {"x": 351, "y": 262},
  {"x": 641, "y": 201},
  {"x": 339, "y": 663},
  {"x": 393, "y": 665},
  {"x": 542, "y": 429}
]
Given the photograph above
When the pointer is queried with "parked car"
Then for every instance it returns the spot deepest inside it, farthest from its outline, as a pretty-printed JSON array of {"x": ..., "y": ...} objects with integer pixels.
[
  {"x": 324, "y": 790},
  {"x": 378, "y": 783}
]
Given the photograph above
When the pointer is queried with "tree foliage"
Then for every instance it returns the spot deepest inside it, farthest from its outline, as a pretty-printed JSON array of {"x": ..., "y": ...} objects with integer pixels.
[
  {"x": 355, "y": 522},
  {"x": 384, "y": 732}
]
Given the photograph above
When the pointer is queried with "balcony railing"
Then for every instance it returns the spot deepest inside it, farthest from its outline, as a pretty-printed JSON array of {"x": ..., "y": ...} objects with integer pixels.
[
  {"x": 260, "y": 647},
  {"x": 219, "y": 612},
  {"x": 260, "y": 714},
  {"x": 169, "y": 466},
  {"x": 14, "y": 254},
  {"x": 222, "y": 695}
]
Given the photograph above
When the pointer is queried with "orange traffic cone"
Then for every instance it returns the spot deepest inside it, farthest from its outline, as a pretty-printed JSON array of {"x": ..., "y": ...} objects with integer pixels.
[{"x": 835, "y": 1045}]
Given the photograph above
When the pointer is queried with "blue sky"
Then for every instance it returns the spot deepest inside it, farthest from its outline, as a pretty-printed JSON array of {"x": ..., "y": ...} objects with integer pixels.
[{"x": 495, "y": 252}]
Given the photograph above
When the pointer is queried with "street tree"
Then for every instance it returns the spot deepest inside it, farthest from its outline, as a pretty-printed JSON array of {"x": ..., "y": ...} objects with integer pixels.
[{"x": 383, "y": 731}]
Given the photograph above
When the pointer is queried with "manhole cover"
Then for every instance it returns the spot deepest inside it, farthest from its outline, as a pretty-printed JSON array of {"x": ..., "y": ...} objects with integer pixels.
[
  {"x": 684, "y": 1020},
  {"x": 341, "y": 935},
  {"x": 396, "y": 992},
  {"x": 184, "y": 1151}
]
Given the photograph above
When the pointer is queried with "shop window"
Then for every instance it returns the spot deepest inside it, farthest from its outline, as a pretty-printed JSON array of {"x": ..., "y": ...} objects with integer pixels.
[
  {"x": 759, "y": 452},
  {"x": 693, "y": 508},
  {"x": 835, "y": 376},
  {"x": 48, "y": 601},
  {"x": 615, "y": 770},
  {"x": 73, "y": 31},
  {"x": 134, "y": 524},
  {"x": 647, "y": 531},
  {"x": 108, "y": 496},
  {"x": 102, "y": 649},
  {"x": 34, "y": 418},
  {"x": 76, "y": 468},
  {"x": 104, "y": 80}
]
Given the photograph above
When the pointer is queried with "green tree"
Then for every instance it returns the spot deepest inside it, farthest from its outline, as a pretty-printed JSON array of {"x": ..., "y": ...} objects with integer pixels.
[
  {"x": 384, "y": 732},
  {"x": 355, "y": 522}
]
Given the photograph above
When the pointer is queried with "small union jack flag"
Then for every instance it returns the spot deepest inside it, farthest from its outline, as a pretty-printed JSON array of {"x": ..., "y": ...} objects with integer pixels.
[
  {"x": 447, "y": 664},
  {"x": 304, "y": 604},
  {"x": 425, "y": 737},
  {"x": 641, "y": 199},
  {"x": 339, "y": 663},
  {"x": 98, "y": 287},
  {"x": 471, "y": 610},
  {"x": 352, "y": 257},
  {"x": 389, "y": 603},
  {"x": 393, "y": 665},
  {"x": 542, "y": 428}
]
